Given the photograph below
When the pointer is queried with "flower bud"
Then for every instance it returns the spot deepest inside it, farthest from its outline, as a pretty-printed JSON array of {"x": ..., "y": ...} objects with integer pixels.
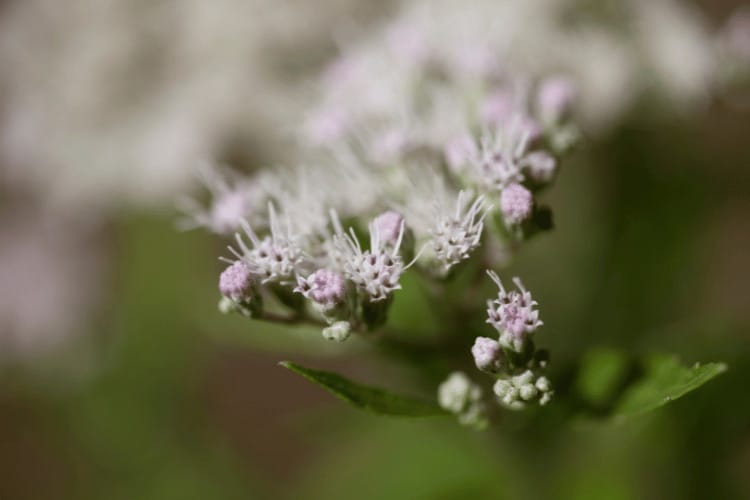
[
  {"x": 516, "y": 204},
  {"x": 542, "y": 383},
  {"x": 460, "y": 396},
  {"x": 523, "y": 379},
  {"x": 324, "y": 287},
  {"x": 528, "y": 392},
  {"x": 339, "y": 331},
  {"x": 457, "y": 391},
  {"x": 236, "y": 282},
  {"x": 488, "y": 355}
]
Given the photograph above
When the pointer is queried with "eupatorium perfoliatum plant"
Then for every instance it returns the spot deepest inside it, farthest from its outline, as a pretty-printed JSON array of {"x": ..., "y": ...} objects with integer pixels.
[{"x": 427, "y": 156}]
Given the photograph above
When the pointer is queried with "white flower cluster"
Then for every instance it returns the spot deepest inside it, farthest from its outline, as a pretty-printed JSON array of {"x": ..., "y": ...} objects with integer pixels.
[
  {"x": 432, "y": 140},
  {"x": 426, "y": 151},
  {"x": 104, "y": 106},
  {"x": 421, "y": 167},
  {"x": 437, "y": 151}
]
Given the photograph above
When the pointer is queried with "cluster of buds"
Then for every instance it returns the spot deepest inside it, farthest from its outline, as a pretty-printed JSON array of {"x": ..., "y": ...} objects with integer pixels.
[
  {"x": 515, "y": 392},
  {"x": 460, "y": 396},
  {"x": 511, "y": 359}
]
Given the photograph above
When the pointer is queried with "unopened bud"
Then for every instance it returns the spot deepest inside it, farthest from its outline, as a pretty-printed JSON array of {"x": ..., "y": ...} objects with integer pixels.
[
  {"x": 516, "y": 204},
  {"x": 339, "y": 331},
  {"x": 488, "y": 355},
  {"x": 236, "y": 282}
]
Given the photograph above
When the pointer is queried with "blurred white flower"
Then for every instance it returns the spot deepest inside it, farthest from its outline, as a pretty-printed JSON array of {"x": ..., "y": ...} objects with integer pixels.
[
  {"x": 111, "y": 103},
  {"x": 677, "y": 49},
  {"x": 51, "y": 277}
]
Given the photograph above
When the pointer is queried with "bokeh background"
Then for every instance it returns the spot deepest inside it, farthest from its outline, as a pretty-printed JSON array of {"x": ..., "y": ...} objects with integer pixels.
[{"x": 119, "y": 379}]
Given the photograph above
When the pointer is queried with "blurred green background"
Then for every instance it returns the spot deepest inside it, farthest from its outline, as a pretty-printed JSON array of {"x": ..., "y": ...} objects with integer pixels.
[{"x": 161, "y": 397}]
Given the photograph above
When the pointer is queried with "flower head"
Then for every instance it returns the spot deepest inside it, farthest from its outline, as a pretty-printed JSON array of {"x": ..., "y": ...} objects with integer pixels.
[
  {"x": 273, "y": 258},
  {"x": 375, "y": 271},
  {"x": 514, "y": 314},
  {"x": 457, "y": 233},
  {"x": 324, "y": 287},
  {"x": 498, "y": 163}
]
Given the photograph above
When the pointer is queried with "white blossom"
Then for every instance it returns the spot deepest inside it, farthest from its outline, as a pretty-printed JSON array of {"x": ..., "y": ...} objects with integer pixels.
[
  {"x": 375, "y": 271},
  {"x": 513, "y": 314},
  {"x": 273, "y": 258},
  {"x": 457, "y": 233}
]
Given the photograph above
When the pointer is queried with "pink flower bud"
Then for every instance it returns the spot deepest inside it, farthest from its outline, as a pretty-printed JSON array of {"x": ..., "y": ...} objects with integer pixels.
[
  {"x": 324, "y": 287},
  {"x": 236, "y": 281},
  {"x": 388, "y": 225},
  {"x": 487, "y": 353},
  {"x": 516, "y": 204}
]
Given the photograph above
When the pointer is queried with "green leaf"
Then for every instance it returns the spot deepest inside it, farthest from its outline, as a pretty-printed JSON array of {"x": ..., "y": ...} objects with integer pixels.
[
  {"x": 665, "y": 380},
  {"x": 369, "y": 398},
  {"x": 601, "y": 375}
]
